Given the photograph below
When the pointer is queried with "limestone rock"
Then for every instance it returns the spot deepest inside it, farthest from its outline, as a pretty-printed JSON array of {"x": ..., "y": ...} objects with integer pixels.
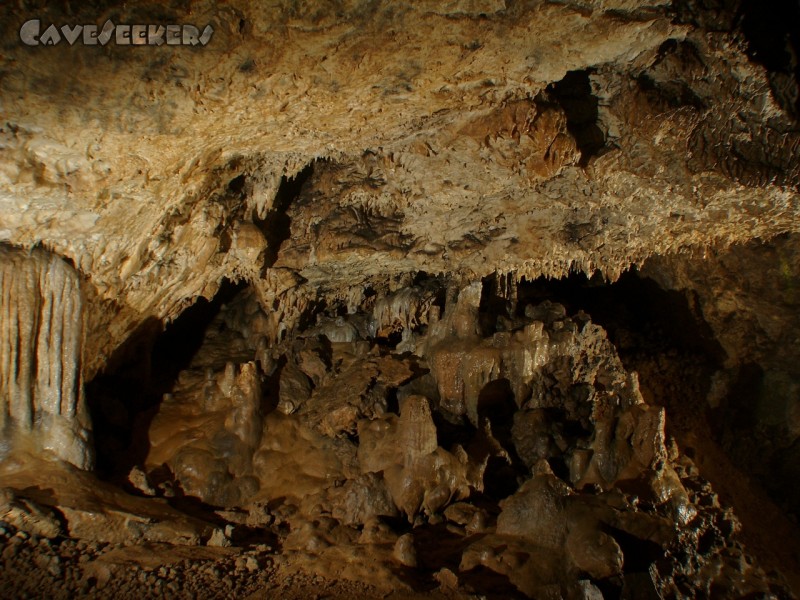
[
  {"x": 41, "y": 379},
  {"x": 28, "y": 516},
  {"x": 356, "y": 206},
  {"x": 404, "y": 551}
]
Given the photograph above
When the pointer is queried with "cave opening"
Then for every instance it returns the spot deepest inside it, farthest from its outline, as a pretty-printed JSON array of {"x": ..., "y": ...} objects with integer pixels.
[
  {"x": 124, "y": 396},
  {"x": 574, "y": 94}
]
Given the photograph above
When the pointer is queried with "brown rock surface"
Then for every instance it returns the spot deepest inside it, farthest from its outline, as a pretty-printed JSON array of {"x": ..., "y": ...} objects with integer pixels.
[{"x": 447, "y": 298}]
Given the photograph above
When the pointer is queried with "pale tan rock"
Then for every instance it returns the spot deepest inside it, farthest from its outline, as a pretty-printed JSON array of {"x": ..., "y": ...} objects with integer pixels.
[
  {"x": 218, "y": 539},
  {"x": 537, "y": 511},
  {"x": 416, "y": 430},
  {"x": 355, "y": 389},
  {"x": 594, "y": 552},
  {"x": 96, "y": 510},
  {"x": 361, "y": 500},
  {"x": 404, "y": 551},
  {"x": 42, "y": 356},
  {"x": 295, "y": 388},
  {"x": 138, "y": 479},
  {"x": 447, "y": 579},
  {"x": 461, "y": 513}
]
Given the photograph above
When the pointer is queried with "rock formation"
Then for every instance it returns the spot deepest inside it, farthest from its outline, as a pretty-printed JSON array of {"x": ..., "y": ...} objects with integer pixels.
[
  {"x": 41, "y": 380},
  {"x": 445, "y": 298}
]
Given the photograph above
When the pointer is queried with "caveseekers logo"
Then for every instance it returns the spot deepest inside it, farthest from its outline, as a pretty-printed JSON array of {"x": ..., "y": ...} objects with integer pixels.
[{"x": 31, "y": 33}]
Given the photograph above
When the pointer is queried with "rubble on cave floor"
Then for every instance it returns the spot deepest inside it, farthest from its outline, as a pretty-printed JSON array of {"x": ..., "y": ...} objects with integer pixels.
[{"x": 436, "y": 448}]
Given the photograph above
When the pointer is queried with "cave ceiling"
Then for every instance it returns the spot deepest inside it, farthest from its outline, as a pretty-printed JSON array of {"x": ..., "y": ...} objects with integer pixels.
[{"x": 459, "y": 137}]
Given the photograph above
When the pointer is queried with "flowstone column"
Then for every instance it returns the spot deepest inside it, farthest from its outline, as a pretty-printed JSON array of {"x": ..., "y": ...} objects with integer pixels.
[{"x": 42, "y": 405}]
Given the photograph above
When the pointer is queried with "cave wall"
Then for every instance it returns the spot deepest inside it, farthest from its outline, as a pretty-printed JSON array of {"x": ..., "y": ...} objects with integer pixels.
[
  {"x": 376, "y": 183},
  {"x": 749, "y": 296}
]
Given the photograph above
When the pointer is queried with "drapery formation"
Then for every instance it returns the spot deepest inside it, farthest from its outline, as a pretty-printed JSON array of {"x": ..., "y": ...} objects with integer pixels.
[{"x": 41, "y": 324}]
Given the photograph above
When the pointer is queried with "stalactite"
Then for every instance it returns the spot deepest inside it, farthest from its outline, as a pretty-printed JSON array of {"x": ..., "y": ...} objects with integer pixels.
[{"x": 41, "y": 388}]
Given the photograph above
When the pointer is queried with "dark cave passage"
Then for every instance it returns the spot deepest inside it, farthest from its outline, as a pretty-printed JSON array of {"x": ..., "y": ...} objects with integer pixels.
[
  {"x": 773, "y": 38},
  {"x": 574, "y": 94},
  {"x": 631, "y": 309},
  {"x": 662, "y": 335},
  {"x": 123, "y": 398},
  {"x": 658, "y": 333}
]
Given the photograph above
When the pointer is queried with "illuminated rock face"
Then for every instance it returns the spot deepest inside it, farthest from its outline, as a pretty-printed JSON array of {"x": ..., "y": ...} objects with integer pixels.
[
  {"x": 458, "y": 137},
  {"x": 388, "y": 184},
  {"x": 41, "y": 378}
]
